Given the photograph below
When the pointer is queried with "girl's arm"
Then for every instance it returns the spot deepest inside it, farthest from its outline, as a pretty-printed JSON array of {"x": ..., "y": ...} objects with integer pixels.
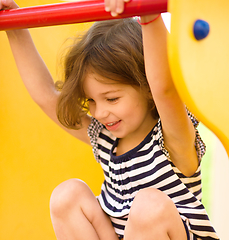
[
  {"x": 35, "y": 74},
  {"x": 178, "y": 130}
]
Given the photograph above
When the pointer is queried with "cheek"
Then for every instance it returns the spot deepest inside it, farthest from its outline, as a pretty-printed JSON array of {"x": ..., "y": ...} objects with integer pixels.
[
  {"x": 128, "y": 111},
  {"x": 140, "y": 106}
]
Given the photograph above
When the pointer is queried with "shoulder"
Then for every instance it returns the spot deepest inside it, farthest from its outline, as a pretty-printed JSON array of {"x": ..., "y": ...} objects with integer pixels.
[{"x": 186, "y": 156}]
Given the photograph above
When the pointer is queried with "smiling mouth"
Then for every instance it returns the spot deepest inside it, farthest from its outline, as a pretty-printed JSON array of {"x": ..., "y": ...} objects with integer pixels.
[{"x": 112, "y": 124}]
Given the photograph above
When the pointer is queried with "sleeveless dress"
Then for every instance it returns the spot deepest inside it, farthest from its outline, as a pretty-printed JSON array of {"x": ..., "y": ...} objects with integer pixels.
[{"x": 148, "y": 165}]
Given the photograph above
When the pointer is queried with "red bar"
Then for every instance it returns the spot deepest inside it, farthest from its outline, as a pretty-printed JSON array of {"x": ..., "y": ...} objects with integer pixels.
[{"x": 73, "y": 12}]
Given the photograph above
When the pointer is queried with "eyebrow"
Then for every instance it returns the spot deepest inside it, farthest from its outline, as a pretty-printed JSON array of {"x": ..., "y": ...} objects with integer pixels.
[
  {"x": 105, "y": 93},
  {"x": 112, "y": 91}
]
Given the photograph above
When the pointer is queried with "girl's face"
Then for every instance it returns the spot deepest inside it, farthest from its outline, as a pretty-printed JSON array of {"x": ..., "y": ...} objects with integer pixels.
[{"x": 121, "y": 108}]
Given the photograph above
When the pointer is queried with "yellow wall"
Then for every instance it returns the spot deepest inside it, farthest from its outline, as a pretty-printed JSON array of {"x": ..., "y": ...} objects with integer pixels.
[
  {"x": 200, "y": 68},
  {"x": 35, "y": 154}
]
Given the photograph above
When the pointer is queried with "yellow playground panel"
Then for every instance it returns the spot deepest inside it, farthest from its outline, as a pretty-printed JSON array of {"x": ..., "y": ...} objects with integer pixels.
[
  {"x": 36, "y": 155},
  {"x": 200, "y": 67}
]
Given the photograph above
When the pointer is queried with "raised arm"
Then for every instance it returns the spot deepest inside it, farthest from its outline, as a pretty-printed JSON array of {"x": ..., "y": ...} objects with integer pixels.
[
  {"x": 178, "y": 131},
  {"x": 35, "y": 74}
]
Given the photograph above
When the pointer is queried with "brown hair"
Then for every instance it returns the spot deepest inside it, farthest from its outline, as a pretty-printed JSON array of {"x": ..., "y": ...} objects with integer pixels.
[{"x": 112, "y": 49}]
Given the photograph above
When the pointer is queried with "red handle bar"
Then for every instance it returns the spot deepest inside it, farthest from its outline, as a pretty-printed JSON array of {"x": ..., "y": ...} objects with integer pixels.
[{"x": 73, "y": 12}]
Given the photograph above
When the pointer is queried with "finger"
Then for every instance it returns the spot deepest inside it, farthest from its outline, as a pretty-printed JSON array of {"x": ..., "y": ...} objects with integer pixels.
[
  {"x": 120, "y": 6},
  {"x": 1, "y": 4},
  {"x": 4, "y": 4},
  {"x": 7, "y": 4},
  {"x": 11, "y": 4},
  {"x": 113, "y": 6},
  {"x": 107, "y": 5}
]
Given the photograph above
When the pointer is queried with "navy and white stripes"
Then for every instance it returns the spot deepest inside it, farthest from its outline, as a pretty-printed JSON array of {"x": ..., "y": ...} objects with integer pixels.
[{"x": 148, "y": 165}]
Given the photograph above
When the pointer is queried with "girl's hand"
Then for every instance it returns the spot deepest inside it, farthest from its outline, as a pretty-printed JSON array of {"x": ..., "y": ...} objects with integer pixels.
[
  {"x": 115, "y": 7},
  {"x": 8, "y": 4}
]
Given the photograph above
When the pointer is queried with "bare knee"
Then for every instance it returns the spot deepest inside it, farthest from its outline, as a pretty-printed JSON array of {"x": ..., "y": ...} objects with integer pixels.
[
  {"x": 66, "y": 195},
  {"x": 150, "y": 206}
]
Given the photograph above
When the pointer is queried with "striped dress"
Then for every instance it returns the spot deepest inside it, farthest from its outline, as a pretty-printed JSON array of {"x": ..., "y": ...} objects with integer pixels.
[{"x": 148, "y": 165}]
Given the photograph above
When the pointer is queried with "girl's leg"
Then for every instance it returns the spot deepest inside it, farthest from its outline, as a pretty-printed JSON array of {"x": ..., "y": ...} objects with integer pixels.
[
  {"x": 153, "y": 215},
  {"x": 76, "y": 213}
]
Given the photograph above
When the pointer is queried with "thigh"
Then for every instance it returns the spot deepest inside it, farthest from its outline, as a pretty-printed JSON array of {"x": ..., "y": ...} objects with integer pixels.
[
  {"x": 153, "y": 215},
  {"x": 76, "y": 213}
]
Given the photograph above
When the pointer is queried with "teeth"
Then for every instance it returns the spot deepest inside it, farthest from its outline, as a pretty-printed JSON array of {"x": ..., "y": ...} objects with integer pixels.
[{"x": 111, "y": 124}]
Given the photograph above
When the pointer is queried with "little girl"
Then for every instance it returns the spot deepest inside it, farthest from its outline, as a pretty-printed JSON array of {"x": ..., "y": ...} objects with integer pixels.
[{"x": 140, "y": 131}]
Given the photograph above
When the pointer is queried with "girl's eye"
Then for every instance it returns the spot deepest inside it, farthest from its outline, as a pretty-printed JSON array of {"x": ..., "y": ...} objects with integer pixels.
[{"x": 112, "y": 99}]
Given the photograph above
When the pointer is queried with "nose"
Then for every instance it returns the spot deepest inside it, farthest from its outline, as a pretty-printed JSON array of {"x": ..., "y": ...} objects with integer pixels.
[{"x": 100, "y": 112}]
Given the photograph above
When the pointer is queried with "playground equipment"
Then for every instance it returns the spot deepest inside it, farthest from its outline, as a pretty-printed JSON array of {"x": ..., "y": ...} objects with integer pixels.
[
  {"x": 200, "y": 66},
  {"x": 73, "y": 12}
]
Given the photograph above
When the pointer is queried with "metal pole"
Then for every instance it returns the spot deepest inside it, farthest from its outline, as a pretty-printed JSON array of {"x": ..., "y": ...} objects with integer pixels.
[{"x": 73, "y": 12}]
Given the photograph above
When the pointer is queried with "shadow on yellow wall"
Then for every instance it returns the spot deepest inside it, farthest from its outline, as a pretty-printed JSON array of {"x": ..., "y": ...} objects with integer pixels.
[{"x": 35, "y": 155}]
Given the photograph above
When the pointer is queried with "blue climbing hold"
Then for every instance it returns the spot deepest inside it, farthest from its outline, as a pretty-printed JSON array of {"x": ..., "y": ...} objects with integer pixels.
[{"x": 201, "y": 29}]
